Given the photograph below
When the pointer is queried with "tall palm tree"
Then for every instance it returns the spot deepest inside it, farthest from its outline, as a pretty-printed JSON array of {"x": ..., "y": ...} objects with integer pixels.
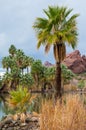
[{"x": 57, "y": 28}]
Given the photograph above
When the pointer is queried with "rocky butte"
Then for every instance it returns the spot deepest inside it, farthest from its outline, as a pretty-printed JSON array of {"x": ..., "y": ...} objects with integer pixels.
[{"x": 74, "y": 61}]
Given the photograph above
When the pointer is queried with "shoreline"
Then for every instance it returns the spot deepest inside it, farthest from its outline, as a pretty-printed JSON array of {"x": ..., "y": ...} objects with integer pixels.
[{"x": 20, "y": 121}]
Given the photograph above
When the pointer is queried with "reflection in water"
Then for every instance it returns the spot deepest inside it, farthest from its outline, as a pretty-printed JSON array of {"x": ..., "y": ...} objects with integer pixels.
[
  {"x": 4, "y": 109},
  {"x": 2, "y": 113},
  {"x": 36, "y": 104}
]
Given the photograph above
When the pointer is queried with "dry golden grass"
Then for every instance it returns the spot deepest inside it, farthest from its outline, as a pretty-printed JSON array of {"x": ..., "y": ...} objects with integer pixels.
[
  {"x": 70, "y": 115},
  {"x": 69, "y": 87}
]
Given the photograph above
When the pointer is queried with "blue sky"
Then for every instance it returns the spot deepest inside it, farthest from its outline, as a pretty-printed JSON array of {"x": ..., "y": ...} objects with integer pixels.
[{"x": 17, "y": 18}]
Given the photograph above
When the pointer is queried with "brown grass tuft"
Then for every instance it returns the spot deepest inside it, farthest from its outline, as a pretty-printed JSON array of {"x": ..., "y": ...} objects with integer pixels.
[{"x": 70, "y": 115}]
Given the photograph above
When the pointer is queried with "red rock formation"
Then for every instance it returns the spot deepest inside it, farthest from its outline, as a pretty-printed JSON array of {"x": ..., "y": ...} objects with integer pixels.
[
  {"x": 76, "y": 62},
  {"x": 48, "y": 64}
]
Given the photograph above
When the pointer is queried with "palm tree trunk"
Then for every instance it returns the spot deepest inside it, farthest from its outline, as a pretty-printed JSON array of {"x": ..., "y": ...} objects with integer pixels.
[
  {"x": 58, "y": 92},
  {"x": 58, "y": 89}
]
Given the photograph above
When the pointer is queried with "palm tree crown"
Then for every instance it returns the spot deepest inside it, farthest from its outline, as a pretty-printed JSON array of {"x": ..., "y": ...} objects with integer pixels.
[{"x": 57, "y": 28}]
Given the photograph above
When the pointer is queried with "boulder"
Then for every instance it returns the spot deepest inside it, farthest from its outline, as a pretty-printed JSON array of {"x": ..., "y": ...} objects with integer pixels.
[{"x": 76, "y": 62}]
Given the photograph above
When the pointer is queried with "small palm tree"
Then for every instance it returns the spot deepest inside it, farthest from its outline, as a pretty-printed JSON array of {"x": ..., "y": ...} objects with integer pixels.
[
  {"x": 20, "y": 99},
  {"x": 36, "y": 70},
  {"x": 56, "y": 29}
]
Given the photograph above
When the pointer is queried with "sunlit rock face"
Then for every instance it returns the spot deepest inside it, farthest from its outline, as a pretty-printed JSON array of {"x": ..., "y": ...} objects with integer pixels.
[{"x": 76, "y": 62}]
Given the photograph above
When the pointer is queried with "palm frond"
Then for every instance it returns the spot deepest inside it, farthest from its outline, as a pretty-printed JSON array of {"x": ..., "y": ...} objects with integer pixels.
[
  {"x": 40, "y": 23},
  {"x": 38, "y": 44},
  {"x": 55, "y": 51},
  {"x": 67, "y": 12},
  {"x": 47, "y": 48}
]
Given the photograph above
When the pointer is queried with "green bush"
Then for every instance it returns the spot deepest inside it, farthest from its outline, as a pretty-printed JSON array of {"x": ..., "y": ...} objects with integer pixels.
[{"x": 81, "y": 84}]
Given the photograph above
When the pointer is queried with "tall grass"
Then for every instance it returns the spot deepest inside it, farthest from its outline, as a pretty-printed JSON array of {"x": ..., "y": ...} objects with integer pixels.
[{"x": 70, "y": 115}]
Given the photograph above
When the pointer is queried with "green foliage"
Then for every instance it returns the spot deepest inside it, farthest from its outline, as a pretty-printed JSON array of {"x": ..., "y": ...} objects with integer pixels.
[
  {"x": 16, "y": 72},
  {"x": 37, "y": 71},
  {"x": 36, "y": 67},
  {"x": 49, "y": 73},
  {"x": 26, "y": 80},
  {"x": 67, "y": 74},
  {"x": 20, "y": 99},
  {"x": 12, "y": 50},
  {"x": 15, "y": 64},
  {"x": 6, "y": 62},
  {"x": 81, "y": 84}
]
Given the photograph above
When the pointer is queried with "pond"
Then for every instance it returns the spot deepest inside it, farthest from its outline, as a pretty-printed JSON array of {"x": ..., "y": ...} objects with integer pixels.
[{"x": 5, "y": 109}]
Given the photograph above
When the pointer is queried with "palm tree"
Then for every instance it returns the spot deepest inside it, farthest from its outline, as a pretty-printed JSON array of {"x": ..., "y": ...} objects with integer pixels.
[
  {"x": 6, "y": 62},
  {"x": 57, "y": 28},
  {"x": 20, "y": 99},
  {"x": 26, "y": 80},
  {"x": 31, "y": 61},
  {"x": 28, "y": 62},
  {"x": 12, "y": 50},
  {"x": 36, "y": 71},
  {"x": 47, "y": 77},
  {"x": 20, "y": 57},
  {"x": 15, "y": 74},
  {"x": 7, "y": 78}
]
